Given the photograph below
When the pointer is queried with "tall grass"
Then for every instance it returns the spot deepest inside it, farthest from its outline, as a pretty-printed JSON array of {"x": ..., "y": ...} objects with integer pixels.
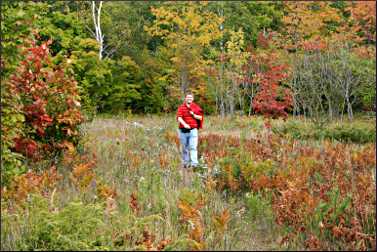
[{"x": 138, "y": 158}]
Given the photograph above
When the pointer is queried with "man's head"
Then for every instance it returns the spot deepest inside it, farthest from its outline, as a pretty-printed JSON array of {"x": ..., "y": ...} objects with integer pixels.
[{"x": 189, "y": 98}]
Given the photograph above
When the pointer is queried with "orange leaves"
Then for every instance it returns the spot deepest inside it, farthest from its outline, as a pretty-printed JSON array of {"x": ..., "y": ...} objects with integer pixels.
[
  {"x": 68, "y": 146},
  {"x": 260, "y": 183},
  {"x": 325, "y": 192},
  {"x": 134, "y": 204},
  {"x": 314, "y": 45},
  {"x": 365, "y": 52},
  {"x": 307, "y": 25},
  {"x": 148, "y": 239},
  {"x": 70, "y": 117},
  {"x": 210, "y": 184},
  {"x": 189, "y": 205},
  {"x": 106, "y": 192},
  {"x": 163, "y": 158},
  {"x": 162, "y": 244},
  {"x": 134, "y": 159},
  {"x": 313, "y": 243},
  {"x": 187, "y": 212},
  {"x": 221, "y": 221},
  {"x": 364, "y": 158},
  {"x": 364, "y": 14},
  {"x": 82, "y": 174},
  {"x": 148, "y": 242},
  {"x": 229, "y": 179},
  {"x": 307, "y": 20},
  {"x": 193, "y": 217},
  {"x": 31, "y": 182}
]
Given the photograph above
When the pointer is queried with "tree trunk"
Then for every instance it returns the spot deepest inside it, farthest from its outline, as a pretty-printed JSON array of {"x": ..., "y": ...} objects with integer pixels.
[
  {"x": 349, "y": 105},
  {"x": 184, "y": 80},
  {"x": 96, "y": 13}
]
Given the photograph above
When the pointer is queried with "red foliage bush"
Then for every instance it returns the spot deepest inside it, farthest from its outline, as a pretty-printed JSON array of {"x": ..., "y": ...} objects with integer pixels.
[
  {"x": 49, "y": 102},
  {"x": 272, "y": 98}
]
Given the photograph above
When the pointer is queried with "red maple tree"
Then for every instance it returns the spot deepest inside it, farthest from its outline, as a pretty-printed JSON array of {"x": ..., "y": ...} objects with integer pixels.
[
  {"x": 272, "y": 98},
  {"x": 49, "y": 102}
]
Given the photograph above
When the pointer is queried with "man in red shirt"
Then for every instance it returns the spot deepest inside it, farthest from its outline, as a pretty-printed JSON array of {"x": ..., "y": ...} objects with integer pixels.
[{"x": 190, "y": 118}]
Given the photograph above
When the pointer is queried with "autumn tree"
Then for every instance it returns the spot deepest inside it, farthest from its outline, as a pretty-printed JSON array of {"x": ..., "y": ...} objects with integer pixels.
[
  {"x": 187, "y": 30},
  {"x": 274, "y": 97},
  {"x": 228, "y": 72},
  {"x": 307, "y": 22}
]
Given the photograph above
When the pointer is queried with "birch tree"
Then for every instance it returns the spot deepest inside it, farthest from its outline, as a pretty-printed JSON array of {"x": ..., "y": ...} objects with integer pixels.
[{"x": 96, "y": 14}]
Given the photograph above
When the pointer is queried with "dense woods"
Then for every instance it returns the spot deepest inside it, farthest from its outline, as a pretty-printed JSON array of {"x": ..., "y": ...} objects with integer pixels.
[
  {"x": 64, "y": 64},
  {"x": 148, "y": 53}
]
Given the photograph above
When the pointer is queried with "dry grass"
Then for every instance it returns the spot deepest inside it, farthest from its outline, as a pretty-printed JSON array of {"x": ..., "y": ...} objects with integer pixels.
[
  {"x": 133, "y": 154},
  {"x": 139, "y": 157}
]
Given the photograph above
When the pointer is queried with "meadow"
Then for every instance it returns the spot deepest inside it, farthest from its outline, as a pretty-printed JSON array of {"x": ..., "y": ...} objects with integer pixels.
[
  {"x": 90, "y": 156},
  {"x": 260, "y": 186}
]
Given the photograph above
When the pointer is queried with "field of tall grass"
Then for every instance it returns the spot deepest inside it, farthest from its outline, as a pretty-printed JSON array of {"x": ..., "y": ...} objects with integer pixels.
[{"x": 277, "y": 185}]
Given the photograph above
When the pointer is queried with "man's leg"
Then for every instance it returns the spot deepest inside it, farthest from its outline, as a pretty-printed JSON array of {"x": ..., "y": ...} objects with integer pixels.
[
  {"x": 184, "y": 139},
  {"x": 193, "y": 145}
]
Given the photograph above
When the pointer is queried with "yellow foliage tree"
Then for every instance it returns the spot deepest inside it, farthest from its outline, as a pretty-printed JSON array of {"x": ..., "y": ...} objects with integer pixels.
[
  {"x": 237, "y": 58},
  {"x": 187, "y": 30},
  {"x": 307, "y": 21}
]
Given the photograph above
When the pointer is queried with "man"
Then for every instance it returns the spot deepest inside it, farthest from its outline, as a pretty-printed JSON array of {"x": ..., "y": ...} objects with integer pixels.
[{"x": 190, "y": 118}]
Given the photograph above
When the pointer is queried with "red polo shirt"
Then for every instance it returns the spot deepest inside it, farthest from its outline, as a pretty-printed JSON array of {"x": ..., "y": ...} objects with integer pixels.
[{"x": 184, "y": 112}]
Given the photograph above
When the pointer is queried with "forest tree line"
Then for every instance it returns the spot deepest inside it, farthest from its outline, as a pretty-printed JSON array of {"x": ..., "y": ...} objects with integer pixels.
[{"x": 302, "y": 58}]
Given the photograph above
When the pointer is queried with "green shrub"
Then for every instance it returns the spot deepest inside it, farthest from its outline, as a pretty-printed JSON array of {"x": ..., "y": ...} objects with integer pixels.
[
  {"x": 38, "y": 225},
  {"x": 258, "y": 206},
  {"x": 75, "y": 227},
  {"x": 294, "y": 128},
  {"x": 351, "y": 133},
  {"x": 345, "y": 132},
  {"x": 11, "y": 127}
]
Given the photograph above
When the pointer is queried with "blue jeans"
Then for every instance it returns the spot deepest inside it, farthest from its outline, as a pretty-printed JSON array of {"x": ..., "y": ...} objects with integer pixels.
[{"x": 189, "y": 144}]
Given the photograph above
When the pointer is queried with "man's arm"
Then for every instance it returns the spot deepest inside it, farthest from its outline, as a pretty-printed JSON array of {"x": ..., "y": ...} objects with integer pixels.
[
  {"x": 199, "y": 117},
  {"x": 183, "y": 123}
]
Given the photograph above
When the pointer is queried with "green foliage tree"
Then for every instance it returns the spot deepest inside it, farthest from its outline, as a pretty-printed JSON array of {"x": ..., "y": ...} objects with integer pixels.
[{"x": 250, "y": 16}]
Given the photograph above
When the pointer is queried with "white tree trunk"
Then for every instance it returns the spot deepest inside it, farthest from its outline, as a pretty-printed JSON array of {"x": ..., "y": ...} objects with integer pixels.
[{"x": 96, "y": 12}]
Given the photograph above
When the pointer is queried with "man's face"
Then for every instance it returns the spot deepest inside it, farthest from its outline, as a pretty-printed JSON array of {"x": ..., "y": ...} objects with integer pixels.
[{"x": 189, "y": 99}]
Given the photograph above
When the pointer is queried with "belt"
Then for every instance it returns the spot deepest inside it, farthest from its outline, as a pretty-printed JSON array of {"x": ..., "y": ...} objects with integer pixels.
[{"x": 184, "y": 130}]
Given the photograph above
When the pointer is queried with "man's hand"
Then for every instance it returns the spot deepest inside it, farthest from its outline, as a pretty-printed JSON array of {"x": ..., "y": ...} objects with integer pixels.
[
  {"x": 196, "y": 116},
  {"x": 183, "y": 123},
  {"x": 186, "y": 126}
]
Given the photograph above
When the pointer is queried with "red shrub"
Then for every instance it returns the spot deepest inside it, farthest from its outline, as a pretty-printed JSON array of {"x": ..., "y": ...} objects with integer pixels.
[{"x": 49, "y": 102}]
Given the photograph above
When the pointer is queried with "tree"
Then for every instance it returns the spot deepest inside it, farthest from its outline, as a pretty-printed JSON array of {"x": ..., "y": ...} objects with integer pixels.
[
  {"x": 187, "y": 29},
  {"x": 229, "y": 74},
  {"x": 273, "y": 98},
  {"x": 96, "y": 14},
  {"x": 45, "y": 107},
  {"x": 307, "y": 22},
  {"x": 363, "y": 16},
  {"x": 326, "y": 83},
  {"x": 250, "y": 16}
]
